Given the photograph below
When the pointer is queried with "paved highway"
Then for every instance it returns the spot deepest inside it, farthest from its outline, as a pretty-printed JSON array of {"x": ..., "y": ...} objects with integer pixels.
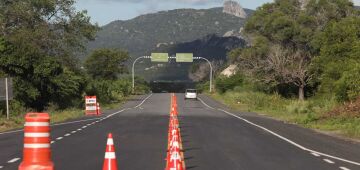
[{"x": 214, "y": 138}]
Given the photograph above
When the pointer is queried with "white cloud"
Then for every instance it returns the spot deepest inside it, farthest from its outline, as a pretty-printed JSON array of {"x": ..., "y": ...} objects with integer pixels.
[{"x": 356, "y": 2}]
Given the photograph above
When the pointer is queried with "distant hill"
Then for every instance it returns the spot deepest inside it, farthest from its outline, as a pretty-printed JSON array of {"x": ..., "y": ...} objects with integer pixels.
[
  {"x": 209, "y": 33},
  {"x": 144, "y": 33}
]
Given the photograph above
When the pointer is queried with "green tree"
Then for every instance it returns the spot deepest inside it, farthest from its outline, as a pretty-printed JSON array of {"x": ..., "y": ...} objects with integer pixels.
[
  {"x": 284, "y": 44},
  {"x": 41, "y": 41},
  {"x": 106, "y": 64},
  {"x": 339, "y": 57}
]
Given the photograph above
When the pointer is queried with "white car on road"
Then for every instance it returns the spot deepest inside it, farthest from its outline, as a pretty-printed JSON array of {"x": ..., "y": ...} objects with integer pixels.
[{"x": 190, "y": 94}]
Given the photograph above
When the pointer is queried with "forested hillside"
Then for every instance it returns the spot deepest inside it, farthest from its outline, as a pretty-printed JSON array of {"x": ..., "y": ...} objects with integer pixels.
[{"x": 304, "y": 61}]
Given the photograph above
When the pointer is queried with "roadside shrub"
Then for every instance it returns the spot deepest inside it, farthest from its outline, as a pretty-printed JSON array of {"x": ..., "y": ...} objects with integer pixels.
[
  {"x": 348, "y": 87},
  {"x": 223, "y": 83}
]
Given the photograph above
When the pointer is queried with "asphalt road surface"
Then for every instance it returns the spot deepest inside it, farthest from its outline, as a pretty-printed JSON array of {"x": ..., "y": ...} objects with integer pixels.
[{"x": 214, "y": 138}]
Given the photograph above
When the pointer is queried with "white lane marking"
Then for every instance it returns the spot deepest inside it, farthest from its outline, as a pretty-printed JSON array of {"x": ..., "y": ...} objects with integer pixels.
[
  {"x": 72, "y": 122},
  {"x": 315, "y": 154},
  {"x": 59, "y": 138},
  {"x": 344, "y": 168},
  {"x": 88, "y": 124},
  {"x": 329, "y": 161},
  {"x": 14, "y": 131},
  {"x": 289, "y": 141},
  {"x": 68, "y": 134},
  {"x": 73, "y": 131},
  {"x": 52, "y": 142},
  {"x": 143, "y": 101},
  {"x": 13, "y": 160},
  {"x": 1, "y": 167},
  {"x": 79, "y": 129},
  {"x": 206, "y": 104},
  {"x": 84, "y": 127},
  {"x": 57, "y": 124},
  {"x": 78, "y": 121}
]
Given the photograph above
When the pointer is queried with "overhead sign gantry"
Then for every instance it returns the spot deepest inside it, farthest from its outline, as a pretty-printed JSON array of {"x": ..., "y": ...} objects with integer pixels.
[{"x": 164, "y": 57}]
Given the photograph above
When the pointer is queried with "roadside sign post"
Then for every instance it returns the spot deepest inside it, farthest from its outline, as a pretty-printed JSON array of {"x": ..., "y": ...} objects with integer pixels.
[
  {"x": 7, "y": 98},
  {"x": 133, "y": 71},
  {"x": 211, "y": 71},
  {"x": 6, "y": 93}
]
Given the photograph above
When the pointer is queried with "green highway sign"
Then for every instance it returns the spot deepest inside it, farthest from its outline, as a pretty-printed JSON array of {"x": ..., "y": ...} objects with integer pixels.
[
  {"x": 159, "y": 57},
  {"x": 184, "y": 57}
]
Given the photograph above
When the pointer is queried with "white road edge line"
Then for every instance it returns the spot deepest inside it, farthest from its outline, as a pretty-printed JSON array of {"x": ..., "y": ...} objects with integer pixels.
[
  {"x": 287, "y": 140},
  {"x": 344, "y": 168},
  {"x": 13, "y": 160},
  {"x": 143, "y": 101},
  {"x": 206, "y": 104},
  {"x": 329, "y": 161}
]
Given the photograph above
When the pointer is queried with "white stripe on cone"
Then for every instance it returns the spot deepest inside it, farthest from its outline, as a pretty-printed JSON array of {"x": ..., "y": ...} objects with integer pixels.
[
  {"x": 110, "y": 141},
  {"x": 36, "y": 135},
  {"x": 110, "y": 155},
  {"x": 37, "y": 146},
  {"x": 36, "y": 124}
]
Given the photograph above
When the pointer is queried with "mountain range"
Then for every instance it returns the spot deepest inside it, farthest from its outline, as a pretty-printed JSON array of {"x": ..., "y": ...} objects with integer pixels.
[
  {"x": 141, "y": 35},
  {"x": 209, "y": 33}
]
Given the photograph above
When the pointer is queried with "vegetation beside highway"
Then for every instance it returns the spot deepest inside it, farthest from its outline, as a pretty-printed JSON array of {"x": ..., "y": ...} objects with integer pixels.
[
  {"x": 56, "y": 115},
  {"x": 40, "y": 42},
  {"x": 303, "y": 66}
]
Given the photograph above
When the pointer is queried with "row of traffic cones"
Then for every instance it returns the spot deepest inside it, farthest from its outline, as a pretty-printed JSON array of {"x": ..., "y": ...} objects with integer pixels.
[
  {"x": 37, "y": 151},
  {"x": 175, "y": 155}
]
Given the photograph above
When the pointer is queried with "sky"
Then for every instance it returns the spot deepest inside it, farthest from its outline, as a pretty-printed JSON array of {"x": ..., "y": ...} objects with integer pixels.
[{"x": 105, "y": 11}]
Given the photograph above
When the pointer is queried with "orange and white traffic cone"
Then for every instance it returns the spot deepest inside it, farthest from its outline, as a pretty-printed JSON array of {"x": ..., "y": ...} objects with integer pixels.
[
  {"x": 98, "y": 111},
  {"x": 110, "y": 158},
  {"x": 175, "y": 162},
  {"x": 37, "y": 152}
]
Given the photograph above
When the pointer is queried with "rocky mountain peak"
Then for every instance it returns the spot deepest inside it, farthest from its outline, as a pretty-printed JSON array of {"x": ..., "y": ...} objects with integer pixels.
[{"x": 234, "y": 8}]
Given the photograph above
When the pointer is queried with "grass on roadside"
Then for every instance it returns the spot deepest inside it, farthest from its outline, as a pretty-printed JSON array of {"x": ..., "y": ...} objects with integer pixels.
[
  {"x": 311, "y": 113},
  {"x": 16, "y": 120}
]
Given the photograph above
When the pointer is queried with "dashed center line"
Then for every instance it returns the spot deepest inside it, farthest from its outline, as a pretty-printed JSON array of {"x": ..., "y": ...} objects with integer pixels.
[
  {"x": 315, "y": 154},
  {"x": 68, "y": 134},
  {"x": 344, "y": 168},
  {"x": 329, "y": 161},
  {"x": 13, "y": 160}
]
